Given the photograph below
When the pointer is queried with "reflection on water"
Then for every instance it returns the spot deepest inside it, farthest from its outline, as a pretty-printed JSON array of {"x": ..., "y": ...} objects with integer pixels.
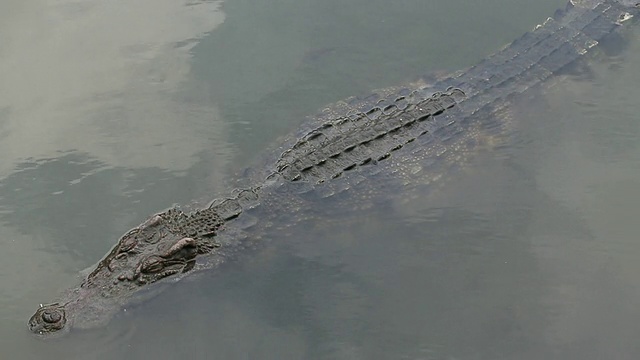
[
  {"x": 101, "y": 124},
  {"x": 106, "y": 78},
  {"x": 528, "y": 252}
]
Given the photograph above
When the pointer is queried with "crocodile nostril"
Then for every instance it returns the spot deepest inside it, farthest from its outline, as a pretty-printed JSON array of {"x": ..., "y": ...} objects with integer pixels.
[{"x": 51, "y": 316}]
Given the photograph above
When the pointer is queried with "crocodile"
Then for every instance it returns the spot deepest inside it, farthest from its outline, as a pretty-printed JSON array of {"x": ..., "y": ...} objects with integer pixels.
[{"x": 347, "y": 143}]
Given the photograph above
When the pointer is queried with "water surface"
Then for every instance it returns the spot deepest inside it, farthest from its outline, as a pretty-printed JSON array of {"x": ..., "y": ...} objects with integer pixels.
[{"x": 113, "y": 111}]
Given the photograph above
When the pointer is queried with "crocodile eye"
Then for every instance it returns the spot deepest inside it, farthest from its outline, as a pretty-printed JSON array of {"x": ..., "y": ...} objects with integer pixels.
[
  {"x": 127, "y": 244},
  {"x": 152, "y": 265},
  {"x": 51, "y": 316}
]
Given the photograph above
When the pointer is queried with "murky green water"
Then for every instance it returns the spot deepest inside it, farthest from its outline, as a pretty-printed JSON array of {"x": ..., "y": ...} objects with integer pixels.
[{"x": 111, "y": 111}]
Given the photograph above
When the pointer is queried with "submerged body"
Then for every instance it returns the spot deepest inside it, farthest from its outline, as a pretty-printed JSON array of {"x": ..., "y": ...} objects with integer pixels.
[{"x": 351, "y": 142}]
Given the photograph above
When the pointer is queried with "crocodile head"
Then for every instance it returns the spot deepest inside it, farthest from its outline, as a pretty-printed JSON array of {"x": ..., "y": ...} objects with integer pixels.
[{"x": 165, "y": 245}]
